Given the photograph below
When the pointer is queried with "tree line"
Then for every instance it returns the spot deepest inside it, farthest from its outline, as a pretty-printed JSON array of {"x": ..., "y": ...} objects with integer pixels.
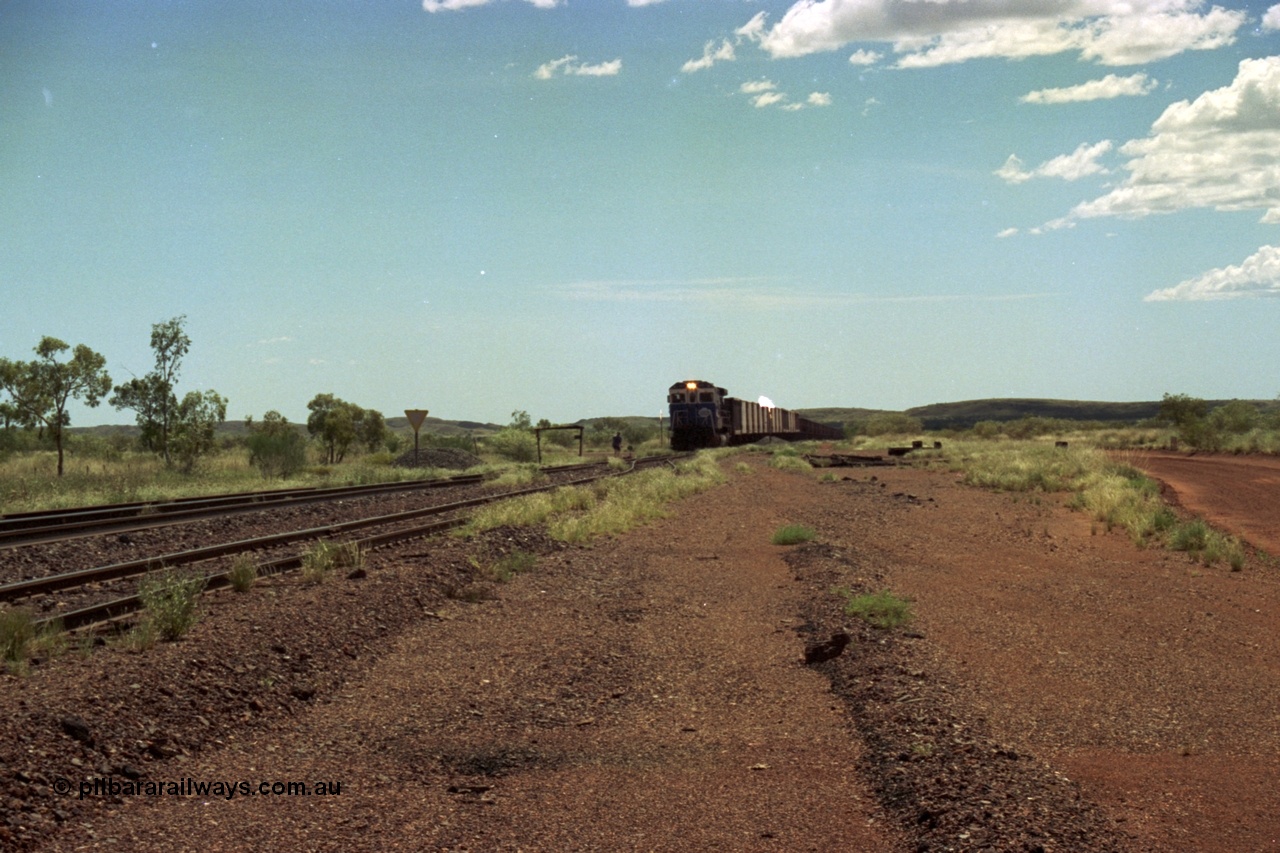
[
  {"x": 39, "y": 391},
  {"x": 36, "y": 394}
]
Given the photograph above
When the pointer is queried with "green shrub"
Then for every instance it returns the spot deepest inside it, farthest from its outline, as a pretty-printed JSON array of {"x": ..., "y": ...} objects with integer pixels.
[
  {"x": 507, "y": 566},
  {"x": 17, "y": 630},
  {"x": 515, "y": 444},
  {"x": 1192, "y": 536},
  {"x": 882, "y": 609},
  {"x": 243, "y": 573},
  {"x": 282, "y": 453},
  {"x": 792, "y": 534},
  {"x": 171, "y": 601},
  {"x": 789, "y": 462},
  {"x": 326, "y": 557}
]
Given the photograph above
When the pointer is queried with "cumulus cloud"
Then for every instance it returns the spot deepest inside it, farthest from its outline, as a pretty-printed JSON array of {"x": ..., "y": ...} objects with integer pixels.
[
  {"x": 1258, "y": 275},
  {"x": 569, "y": 66},
  {"x": 1110, "y": 86},
  {"x": 1271, "y": 20},
  {"x": 764, "y": 93},
  {"x": 725, "y": 51},
  {"x": 711, "y": 54},
  {"x": 1069, "y": 167},
  {"x": 938, "y": 32},
  {"x": 865, "y": 57},
  {"x": 1220, "y": 151}
]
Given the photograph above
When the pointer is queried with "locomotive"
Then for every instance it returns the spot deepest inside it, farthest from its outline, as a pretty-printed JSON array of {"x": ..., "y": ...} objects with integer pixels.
[{"x": 703, "y": 415}]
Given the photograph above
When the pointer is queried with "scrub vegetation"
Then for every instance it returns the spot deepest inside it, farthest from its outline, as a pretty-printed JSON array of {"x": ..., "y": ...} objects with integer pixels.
[{"x": 611, "y": 506}]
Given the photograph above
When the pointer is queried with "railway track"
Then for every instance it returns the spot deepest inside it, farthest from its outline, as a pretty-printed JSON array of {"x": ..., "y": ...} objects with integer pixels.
[
  {"x": 28, "y": 528},
  {"x": 391, "y": 528}
]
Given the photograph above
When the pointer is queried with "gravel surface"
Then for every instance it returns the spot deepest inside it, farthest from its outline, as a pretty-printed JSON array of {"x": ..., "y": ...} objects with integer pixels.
[{"x": 1058, "y": 691}]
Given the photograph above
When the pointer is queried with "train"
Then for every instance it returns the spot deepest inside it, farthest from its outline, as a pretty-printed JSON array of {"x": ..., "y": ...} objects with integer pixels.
[{"x": 703, "y": 415}]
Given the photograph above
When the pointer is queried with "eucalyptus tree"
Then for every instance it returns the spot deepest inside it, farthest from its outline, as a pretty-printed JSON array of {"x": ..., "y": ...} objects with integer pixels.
[
  {"x": 338, "y": 424},
  {"x": 39, "y": 390},
  {"x": 152, "y": 397}
]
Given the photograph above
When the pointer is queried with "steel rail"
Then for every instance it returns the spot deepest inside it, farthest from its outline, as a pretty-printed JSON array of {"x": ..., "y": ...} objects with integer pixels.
[
  {"x": 59, "y": 525},
  {"x": 117, "y": 608}
]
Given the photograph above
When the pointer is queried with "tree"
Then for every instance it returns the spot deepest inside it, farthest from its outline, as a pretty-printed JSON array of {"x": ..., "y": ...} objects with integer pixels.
[
  {"x": 1182, "y": 410},
  {"x": 193, "y": 423},
  {"x": 39, "y": 390},
  {"x": 152, "y": 396},
  {"x": 339, "y": 424},
  {"x": 520, "y": 420}
]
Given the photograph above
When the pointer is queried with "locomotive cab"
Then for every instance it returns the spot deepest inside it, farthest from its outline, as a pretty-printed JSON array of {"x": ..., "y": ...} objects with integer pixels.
[{"x": 697, "y": 415}]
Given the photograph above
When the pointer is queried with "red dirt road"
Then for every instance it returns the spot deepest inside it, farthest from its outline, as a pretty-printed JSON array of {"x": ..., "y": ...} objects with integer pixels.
[{"x": 1240, "y": 494}]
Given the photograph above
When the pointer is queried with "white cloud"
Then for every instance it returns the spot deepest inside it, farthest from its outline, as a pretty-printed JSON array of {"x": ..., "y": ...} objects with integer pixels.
[
  {"x": 1271, "y": 20},
  {"x": 711, "y": 54},
  {"x": 602, "y": 69},
  {"x": 764, "y": 93},
  {"x": 1220, "y": 151},
  {"x": 1070, "y": 167},
  {"x": 1258, "y": 275},
  {"x": 1110, "y": 86},
  {"x": 938, "y": 32},
  {"x": 753, "y": 30},
  {"x": 569, "y": 66},
  {"x": 768, "y": 99},
  {"x": 865, "y": 57},
  {"x": 1008, "y": 232},
  {"x": 755, "y": 87}
]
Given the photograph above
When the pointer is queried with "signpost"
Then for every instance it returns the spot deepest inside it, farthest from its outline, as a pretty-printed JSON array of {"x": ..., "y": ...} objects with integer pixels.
[{"x": 416, "y": 418}]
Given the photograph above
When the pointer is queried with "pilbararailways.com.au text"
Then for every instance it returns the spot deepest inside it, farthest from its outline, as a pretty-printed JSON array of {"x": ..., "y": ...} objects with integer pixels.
[{"x": 113, "y": 787}]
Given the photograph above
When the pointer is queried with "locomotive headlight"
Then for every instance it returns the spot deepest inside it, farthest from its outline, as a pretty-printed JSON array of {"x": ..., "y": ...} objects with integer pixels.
[{"x": 692, "y": 386}]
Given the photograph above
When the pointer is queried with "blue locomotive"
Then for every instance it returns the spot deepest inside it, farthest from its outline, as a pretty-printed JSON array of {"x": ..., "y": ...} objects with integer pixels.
[{"x": 703, "y": 415}]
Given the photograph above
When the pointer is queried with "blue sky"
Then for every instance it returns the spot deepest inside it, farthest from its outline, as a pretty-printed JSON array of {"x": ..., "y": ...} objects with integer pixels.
[{"x": 478, "y": 206}]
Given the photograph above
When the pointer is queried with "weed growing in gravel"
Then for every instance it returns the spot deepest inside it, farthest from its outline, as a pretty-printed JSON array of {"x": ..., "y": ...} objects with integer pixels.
[
  {"x": 17, "y": 630},
  {"x": 789, "y": 462},
  {"x": 506, "y": 567},
  {"x": 317, "y": 563},
  {"x": 326, "y": 557},
  {"x": 743, "y": 468},
  {"x": 881, "y": 609},
  {"x": 171, "y": 602},
  {"x": 792, "y": 534},
  {"x": 1199, "y": 539},
  {"x": 243, "y": 573},
  {"x": 142, "y": 636}
]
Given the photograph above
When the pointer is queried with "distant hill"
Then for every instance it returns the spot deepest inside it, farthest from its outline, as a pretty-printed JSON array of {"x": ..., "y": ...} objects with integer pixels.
[
  {"x": 965, "y": 414},
  {"x": 838, "y": 416}
]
